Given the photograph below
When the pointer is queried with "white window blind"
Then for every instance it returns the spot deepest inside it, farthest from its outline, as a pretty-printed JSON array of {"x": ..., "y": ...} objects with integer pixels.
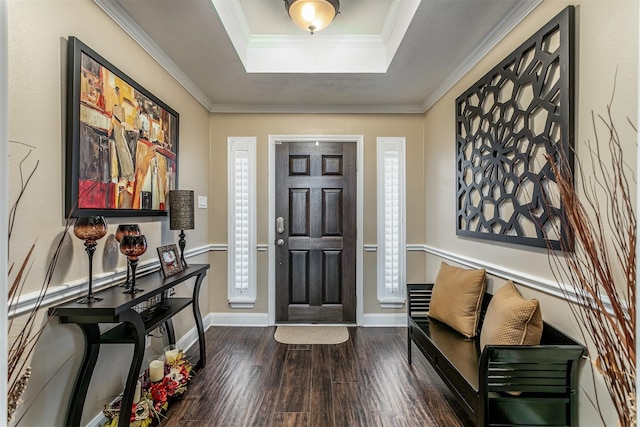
[
  {"x": 391, "y": 221},
  {"x": 242, "y": 222}
]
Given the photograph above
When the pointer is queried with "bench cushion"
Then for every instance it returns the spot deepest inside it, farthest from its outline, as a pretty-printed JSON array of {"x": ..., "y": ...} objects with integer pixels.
[
  {"x": 457, "y": 297},
  {"x": 511, "y": 320}
]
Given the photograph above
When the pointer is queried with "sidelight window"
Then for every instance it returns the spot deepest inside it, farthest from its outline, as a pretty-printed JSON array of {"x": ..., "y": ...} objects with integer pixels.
[
  {"x": 391, "y": 221},
  {"x": 242, "y": 221}
]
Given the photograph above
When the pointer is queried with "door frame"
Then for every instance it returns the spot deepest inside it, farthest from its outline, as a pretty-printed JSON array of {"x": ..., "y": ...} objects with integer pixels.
[
  {"x": 283, "y": 139},
  {"x": 4, "y": 198}
]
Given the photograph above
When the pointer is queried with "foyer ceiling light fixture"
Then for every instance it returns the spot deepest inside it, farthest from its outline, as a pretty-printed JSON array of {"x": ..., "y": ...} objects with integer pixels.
[{"x": 312, "y": 15}]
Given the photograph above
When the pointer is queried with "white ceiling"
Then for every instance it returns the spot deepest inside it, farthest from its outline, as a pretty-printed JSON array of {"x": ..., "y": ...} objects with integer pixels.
[{"x": 377, "y": 56}]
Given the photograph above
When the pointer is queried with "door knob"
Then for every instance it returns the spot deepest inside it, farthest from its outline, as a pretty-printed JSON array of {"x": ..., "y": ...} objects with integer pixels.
[{"x": 280, "y": 242}]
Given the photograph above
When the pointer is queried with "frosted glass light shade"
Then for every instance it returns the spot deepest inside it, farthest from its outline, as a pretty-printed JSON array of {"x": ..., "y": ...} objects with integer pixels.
[{"x": 312, "y": 15}]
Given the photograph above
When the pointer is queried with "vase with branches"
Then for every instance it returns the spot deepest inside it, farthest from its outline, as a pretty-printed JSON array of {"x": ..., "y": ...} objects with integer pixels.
[{"x": 598, "y": 265}]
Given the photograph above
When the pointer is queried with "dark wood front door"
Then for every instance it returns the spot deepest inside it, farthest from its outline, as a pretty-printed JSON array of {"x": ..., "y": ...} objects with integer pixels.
[{"x": 316, "y": 232}]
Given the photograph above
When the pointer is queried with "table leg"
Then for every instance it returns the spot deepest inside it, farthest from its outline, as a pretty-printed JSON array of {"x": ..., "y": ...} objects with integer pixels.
[
  {"x": 134, "y": 319},
  {"x": 78, "y": 395},
  {"x": 171, "y": 334},
  {"x": 198, "y": 319}
]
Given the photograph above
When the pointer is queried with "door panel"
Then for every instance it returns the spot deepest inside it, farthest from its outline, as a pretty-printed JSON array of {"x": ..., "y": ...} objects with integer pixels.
[
  {"x": 332, "y": 272},
  {"x": 299, "y": 212},
  {"x": 299, "y": 277},
  {"x": 315, "y": 265},
  {"x": 332, "y": 212}
]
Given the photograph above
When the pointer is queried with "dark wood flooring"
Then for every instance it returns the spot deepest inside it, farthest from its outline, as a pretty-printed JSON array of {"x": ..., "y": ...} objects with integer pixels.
[{"x": 252, "y": 380}]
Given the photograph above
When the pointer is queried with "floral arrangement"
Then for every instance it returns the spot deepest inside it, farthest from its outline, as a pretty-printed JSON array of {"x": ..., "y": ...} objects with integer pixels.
[{"x": 155, "y": 396}]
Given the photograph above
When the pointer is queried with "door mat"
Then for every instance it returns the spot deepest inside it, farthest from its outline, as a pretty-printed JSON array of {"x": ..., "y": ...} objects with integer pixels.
[{"x": 311, "y": 334}]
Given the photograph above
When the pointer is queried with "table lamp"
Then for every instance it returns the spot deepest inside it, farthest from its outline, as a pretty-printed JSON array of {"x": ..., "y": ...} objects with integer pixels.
[{"x": 181, "y": 216}]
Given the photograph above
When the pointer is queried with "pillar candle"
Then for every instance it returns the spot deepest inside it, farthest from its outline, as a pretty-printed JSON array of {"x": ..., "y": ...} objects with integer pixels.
[
  {"x": 137, "y": 394},
  {"x": 170, "y": 355},
  {"x": 156, "y": 370}
]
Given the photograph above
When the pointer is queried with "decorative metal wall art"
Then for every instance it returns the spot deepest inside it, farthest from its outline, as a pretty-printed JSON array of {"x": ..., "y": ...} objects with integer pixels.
[{"x": 506, "y": 123}]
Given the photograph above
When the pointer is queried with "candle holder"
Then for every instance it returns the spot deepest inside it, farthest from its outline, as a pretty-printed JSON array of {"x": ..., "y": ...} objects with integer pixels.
[
  {"x": 132, "y": 247},
  {"x": 90, "y": 229},
  {"x": 127, "y": 230}
]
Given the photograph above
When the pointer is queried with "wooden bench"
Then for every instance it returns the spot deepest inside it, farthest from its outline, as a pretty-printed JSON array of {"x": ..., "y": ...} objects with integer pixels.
[{"x": 500, "y": 385}]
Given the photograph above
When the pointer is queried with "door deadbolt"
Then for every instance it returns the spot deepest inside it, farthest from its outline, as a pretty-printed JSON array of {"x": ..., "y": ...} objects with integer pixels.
[{"x": 279, "y": 225}]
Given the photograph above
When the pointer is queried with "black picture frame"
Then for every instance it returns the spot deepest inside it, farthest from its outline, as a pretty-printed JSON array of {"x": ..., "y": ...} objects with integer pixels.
[
  {"x": 170, "y": 260},
  {"x": 121, "y": 141},
  {"x": 506, "y": 123}
]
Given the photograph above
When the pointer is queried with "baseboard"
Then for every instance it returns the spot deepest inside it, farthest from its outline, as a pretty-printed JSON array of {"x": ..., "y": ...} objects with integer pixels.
[
  {"x": 385, "y": 320},
  {"x": 238, "y": 319}
]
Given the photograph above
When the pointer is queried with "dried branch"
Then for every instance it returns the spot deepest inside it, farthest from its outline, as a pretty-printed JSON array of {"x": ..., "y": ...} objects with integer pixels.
[
  {"x": 600, "y": 266},
  {"x": 24, "y": 337},
  {"x": 23, "y": 186}
]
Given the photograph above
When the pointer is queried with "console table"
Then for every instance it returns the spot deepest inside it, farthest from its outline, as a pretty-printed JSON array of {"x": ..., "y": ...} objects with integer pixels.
[{"x": 118, "y": 307}]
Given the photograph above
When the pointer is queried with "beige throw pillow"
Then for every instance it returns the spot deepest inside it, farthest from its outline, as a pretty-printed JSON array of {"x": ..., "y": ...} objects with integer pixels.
[
  {"x": 457, "y": 298},
  {"x": 511, "y": 319}
]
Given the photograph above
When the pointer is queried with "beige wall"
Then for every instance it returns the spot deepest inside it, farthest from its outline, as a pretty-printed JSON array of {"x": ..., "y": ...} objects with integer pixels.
[
  {"x": 263, "y": 125},
  {"x": 607, "y": 39},
  {"x": 38, "y": 32}
]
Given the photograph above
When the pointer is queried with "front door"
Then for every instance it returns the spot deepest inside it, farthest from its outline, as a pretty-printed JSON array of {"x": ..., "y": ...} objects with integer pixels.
[{"x": 316, "y": 232}]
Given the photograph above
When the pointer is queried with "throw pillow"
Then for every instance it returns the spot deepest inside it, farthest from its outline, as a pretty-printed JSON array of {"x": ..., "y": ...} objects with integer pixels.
[
  {"x": 511, "y": 320},
  {"x": 457, "y": 298}
]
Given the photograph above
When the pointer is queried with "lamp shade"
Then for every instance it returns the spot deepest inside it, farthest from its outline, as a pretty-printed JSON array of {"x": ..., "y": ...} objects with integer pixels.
[
  {"x": 181, "y": 210},
  {"x": 312, "y": 15}
]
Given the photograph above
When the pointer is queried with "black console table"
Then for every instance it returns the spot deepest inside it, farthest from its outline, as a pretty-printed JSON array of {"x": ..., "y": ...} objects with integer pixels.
[{"x": 117, "y": 307}]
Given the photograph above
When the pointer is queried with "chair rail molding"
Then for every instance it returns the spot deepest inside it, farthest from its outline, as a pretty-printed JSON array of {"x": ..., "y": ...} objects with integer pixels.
[
  {"x": 77, "y": 288},
  {"x": 534, "y": 282}
]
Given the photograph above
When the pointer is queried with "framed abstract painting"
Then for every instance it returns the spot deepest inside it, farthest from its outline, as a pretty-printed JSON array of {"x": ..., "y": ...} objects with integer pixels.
[{"x": 122, "y": 141}]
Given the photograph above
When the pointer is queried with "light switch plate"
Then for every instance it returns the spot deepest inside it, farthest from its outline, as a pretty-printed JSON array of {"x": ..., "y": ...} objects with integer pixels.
[{"x": 202, "y": 202}]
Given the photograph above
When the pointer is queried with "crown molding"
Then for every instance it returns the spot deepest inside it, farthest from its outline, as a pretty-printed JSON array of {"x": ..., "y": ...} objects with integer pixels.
[
  {"x": 116, "y": 12},
  {"x": 316, "y": 109},
  {"x": 320, "y": 53},
  {"x": 515, "y": 15},
  {"x": 244, "y": 43}
]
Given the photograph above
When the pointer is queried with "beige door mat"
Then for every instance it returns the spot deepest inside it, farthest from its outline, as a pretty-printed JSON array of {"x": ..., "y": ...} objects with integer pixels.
[{"x": 311, "y": 334}]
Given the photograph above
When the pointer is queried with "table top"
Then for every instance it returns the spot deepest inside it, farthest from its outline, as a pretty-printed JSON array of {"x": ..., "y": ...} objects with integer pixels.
[{"x": 115, "y": 301}]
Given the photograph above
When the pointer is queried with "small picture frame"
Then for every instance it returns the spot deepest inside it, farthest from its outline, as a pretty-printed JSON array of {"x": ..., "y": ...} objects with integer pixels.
[{"x": 169, "y": 260}]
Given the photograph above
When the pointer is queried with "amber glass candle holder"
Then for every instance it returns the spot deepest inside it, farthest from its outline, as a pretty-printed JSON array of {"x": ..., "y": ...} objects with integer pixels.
[
  {"x": 90, "y": 229},
  {"x": 127, "y": 230},
  {"x": 132, "y": 247}
]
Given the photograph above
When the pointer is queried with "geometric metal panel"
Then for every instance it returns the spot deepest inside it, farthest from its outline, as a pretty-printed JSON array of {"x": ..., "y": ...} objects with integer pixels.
[
  {"x": 506, "y": 123},
  {"x": 332, "y": 211}
]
